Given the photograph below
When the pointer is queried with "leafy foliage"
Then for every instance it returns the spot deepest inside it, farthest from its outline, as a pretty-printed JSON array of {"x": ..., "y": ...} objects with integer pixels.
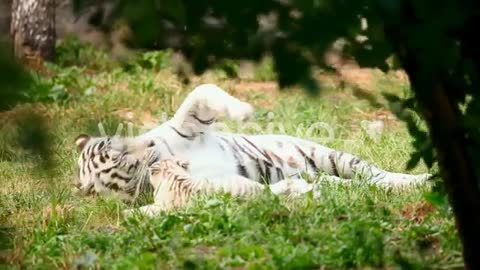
[
  {"x": 154, "y": 59},
  {"x": 71, "y": 51},
  {"x": 208, "y": 33}
]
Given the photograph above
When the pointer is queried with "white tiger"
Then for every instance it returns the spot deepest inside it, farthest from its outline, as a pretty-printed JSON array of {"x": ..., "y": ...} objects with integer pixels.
[
  {"x": 174, "y": 187},
  {"x": 120, "y": 165}
]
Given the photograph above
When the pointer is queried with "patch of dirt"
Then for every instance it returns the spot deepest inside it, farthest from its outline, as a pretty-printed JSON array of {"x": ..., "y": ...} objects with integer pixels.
[
  {"x": 363, "y": 78},
  {"x": 417, "y": 212},
  {"x": 349, "y": 73},
  {"x": 384, "y": 115},
  {"x": 268, "y": 91},
  {"x": 268, "y": 86}
]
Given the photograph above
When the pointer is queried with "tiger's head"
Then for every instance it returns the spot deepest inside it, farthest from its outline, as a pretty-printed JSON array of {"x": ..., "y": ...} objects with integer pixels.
[{"x": 115, "y": 165}]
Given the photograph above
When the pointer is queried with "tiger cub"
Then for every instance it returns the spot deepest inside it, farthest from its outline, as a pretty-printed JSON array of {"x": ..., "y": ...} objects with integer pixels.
[{"x": 174, "y": 188}]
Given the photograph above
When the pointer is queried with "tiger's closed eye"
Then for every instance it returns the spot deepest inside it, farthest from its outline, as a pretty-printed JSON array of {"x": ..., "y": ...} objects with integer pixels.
[
  {"x": 154, "y": 171},
  {"x": 182, "y": 163},
  {"x": 155, "y": 168}
]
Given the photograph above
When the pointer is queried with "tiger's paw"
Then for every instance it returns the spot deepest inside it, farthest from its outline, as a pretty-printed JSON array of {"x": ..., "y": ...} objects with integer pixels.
[
  {"x": 291, "y": 187},
  {"x": 299, "y": 187},
  {"x": 128, "y": 213},
  {"x": 240, "y": 111}
]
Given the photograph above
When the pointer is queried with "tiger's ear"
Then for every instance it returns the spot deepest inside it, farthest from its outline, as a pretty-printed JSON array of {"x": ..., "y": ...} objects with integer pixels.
[{"x": 81, "y": 141}]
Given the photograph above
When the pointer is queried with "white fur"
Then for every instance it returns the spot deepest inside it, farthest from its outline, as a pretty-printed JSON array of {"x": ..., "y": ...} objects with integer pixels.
[{"x": 216, "y": 157}]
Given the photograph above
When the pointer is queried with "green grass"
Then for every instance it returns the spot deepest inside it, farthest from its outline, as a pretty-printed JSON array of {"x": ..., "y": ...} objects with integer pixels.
[{"x": 356, "y": 226}]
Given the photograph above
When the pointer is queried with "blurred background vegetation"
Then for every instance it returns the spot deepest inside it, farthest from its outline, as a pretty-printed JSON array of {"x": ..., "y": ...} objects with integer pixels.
[{"x": 434, "y": 42}]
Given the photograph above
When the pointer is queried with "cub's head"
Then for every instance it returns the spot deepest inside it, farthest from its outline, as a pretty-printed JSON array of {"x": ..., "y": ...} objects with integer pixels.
[
  {"x": 114, "y": 165},
  {"x": 168, "y": 170}
]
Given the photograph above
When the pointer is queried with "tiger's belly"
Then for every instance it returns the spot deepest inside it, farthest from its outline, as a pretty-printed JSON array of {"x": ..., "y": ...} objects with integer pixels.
[
  {"x": 286, "y": 156},
  {"x": 207, "y": 160}
]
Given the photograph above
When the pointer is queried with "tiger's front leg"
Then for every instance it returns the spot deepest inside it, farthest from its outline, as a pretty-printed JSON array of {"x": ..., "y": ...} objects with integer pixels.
[
  {"x": 169, "y": 196},
  {"x": 203, "y": 106},
  {"x": 165, "y": 199}
]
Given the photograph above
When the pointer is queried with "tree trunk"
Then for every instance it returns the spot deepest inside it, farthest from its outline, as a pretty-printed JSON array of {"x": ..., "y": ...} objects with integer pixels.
[
  {"x": 456, "y": 165},
  {"x": 443, "y": 116},
  {"x": 5, "y": 14},
  {"x": 33, "y": 29},
  {"x": 457, "y": 168}
]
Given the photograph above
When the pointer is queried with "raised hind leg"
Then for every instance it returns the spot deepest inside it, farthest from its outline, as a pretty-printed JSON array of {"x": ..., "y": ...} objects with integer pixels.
[{"x": 203, "y": 106}]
